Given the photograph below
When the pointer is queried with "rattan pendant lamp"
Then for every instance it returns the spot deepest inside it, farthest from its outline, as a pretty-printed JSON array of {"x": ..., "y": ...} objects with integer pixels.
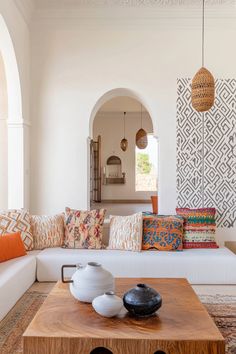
[
  {"x": 203, "y": 83},
  {"x": 124, "y": 141},
  {"x": 141, "y": 136}
]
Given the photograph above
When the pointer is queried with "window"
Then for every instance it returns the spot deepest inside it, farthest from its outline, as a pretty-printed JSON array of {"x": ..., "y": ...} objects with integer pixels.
[{"x": 146, "y": 166}]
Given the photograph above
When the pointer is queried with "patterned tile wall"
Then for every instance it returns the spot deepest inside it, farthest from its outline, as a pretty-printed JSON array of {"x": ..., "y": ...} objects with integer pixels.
[{"x": 206, "y": 152}]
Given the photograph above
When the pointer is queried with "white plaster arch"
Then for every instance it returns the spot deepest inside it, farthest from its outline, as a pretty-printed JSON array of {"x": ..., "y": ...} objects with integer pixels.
[
  {"x": 117, "y": 92},
  {"x": 14, "y": 120},
  {"x": 12, "y": 74}
]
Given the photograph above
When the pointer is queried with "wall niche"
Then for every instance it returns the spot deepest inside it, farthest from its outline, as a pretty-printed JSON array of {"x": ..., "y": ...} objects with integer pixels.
[{"x": 113, "y": 171}]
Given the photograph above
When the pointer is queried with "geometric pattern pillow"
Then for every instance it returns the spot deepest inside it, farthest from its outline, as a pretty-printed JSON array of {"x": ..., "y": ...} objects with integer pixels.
[
  {"x": 162, "y": 232},
  {"x": 48, "y": 231},
  {"x": 126, "y": 232},
  {"x": 83, "y": 229},
  {"x": 12, "y": 221},
  {"x": 199, "y": 227}
]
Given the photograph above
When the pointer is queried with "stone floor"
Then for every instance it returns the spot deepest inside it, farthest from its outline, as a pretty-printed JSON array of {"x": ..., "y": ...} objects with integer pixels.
[{"x": 122, "y": 208}]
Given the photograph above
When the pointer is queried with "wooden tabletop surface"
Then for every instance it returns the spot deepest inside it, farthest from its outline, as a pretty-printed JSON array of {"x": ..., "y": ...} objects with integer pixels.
[{"x": 181, "y": 317}]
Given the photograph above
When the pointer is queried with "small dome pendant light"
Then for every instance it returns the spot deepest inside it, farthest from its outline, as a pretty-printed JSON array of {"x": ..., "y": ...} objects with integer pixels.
[
  {"x": 141, "y": 136},
  {"x": 124, "y": 141},
  {"x": 203, "y": 83}
]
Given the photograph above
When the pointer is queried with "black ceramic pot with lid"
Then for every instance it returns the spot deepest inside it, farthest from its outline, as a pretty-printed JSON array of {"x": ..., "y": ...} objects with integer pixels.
[{"x": 142, "y": 300}]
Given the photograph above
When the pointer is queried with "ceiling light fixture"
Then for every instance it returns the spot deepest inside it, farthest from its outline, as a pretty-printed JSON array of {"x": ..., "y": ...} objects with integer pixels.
[
  {"x": 124, "y": 141},
  {"x": 203, "y": 83}
]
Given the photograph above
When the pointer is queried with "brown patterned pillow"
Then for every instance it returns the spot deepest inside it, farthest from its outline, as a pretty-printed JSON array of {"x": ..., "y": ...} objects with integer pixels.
[
  {"x": 48, "y": 231},
  {"x": 12, "y": 221},
  {"x": 83, "y": 229}
]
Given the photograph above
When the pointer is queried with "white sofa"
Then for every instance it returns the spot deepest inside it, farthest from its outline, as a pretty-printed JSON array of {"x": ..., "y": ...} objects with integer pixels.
[
  {"x": 199, "y": 266},
  {"x": 16, "y": 276}
]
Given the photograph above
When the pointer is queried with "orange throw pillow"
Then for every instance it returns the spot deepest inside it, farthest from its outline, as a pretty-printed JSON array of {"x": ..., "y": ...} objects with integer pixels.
[{"x": 11, "y": 246}]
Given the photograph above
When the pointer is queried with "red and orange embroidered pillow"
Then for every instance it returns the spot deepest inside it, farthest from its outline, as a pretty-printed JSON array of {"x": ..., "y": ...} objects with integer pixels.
[
  {"x": 163, "y": 233},
  {"x": 199, "y": 227}
]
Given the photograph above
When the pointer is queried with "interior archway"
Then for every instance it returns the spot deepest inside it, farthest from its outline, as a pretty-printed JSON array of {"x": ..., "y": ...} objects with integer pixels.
[
  {"x": 113, "y": 118},
  {"x": 3, "y": 137},
  {"x": 15, "y": 131},
  {"x": 118, "y": 92}
]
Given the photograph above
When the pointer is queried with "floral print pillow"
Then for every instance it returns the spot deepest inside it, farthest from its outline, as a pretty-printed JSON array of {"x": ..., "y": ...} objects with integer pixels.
[{"x": 83, "y": 229}]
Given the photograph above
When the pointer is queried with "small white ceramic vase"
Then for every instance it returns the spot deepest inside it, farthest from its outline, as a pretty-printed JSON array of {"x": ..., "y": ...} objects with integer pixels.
[
  {"x": 89, "y": 282},
  {"x": 108, "y": 304}
]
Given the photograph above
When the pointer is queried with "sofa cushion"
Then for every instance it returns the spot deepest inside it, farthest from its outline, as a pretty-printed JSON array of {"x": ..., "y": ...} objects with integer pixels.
[
  {"x": 197, "y": 265},
  {"x": 11, "y": 246},
  {"x": 83, "y": 229},
  {"x": 126, "y": 232},
  {"x": 48, "y": 231},
  {"x": 16, "y": 276},
  {"x": 199, "y": 227},
  {"x": 17, "y": 221},
  {"x": 162, "y": 232}
]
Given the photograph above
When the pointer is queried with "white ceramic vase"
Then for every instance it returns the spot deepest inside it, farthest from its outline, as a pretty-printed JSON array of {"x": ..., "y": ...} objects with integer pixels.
[
  {"x": 108, "y": 304},
  {"x": 90, "y": 281}
]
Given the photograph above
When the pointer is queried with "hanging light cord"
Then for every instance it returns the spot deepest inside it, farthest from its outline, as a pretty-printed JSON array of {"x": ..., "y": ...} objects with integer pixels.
[
  {"x": 124, "y": 123},
  {"x": 141, "y": 116},
  {"x": 203, "y": 115},
  {"x": 203, "y": 30}
]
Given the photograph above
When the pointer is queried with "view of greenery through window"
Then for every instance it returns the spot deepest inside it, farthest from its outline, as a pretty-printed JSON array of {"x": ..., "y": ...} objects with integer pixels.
[{"x": 146, "y": 166}]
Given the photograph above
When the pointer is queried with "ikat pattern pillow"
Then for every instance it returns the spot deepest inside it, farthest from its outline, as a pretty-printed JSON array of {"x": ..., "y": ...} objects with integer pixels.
[
  {"x": 83, "y": 229},
  {"x": 126, "y": 233},
  {"x": 162, "y": 233},
  {"x": 12, "y": 221},
  {"x": 199, "y": 227},
  {"x": 48, "y": 231}
]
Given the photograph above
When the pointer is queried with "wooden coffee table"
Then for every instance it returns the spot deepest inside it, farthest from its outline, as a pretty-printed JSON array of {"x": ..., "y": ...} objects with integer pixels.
[{"x": 182, "y": 326}]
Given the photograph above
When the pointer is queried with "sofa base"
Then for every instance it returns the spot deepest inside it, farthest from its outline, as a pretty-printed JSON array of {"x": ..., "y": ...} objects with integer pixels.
[
  {"x": 16, "y": 276},
  {"x": 199, "y": 266}
]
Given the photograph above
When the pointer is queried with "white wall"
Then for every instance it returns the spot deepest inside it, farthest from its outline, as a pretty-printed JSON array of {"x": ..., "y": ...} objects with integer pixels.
[
  {"x": 111, "y": 128},
  {"x": 3, "y": 137},
  {"x": 78, "y": 57}
]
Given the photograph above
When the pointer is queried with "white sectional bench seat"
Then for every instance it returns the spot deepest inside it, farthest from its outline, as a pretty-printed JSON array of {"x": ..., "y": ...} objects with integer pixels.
[
  {"x": 16, "y": 276},
  {"x": 199, "y": 266}
]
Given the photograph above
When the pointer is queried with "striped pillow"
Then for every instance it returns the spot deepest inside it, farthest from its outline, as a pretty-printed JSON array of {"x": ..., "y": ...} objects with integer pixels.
[{"x": 199, "y": 227}]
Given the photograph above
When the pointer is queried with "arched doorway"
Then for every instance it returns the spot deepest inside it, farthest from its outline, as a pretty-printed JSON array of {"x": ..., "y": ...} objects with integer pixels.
[
  {"x": 126, "y": 188},
  {"x": 3, "y": 137},
  {"x": 12, "y": 140}
]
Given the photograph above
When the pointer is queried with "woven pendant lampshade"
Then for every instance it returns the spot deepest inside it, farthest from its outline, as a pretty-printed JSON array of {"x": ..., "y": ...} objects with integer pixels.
[
  {"x": 124, "y": 141},
  {"x": 124, "y": 144},
  {"x": 141, "y": 135},
  {"x": 141, "y": 139},
  {"x": 203, "y": 90},
  {"x": 203, "y": 83}
]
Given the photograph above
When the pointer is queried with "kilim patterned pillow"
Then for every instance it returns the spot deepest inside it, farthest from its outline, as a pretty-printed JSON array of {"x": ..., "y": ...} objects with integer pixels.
[
  {"x": 162, "y": 232},
  {"x": 83, "y": 229},
  {"x": 12, "y": 221},
  {"x": 199, "y": 227},
  {"x": 48, "y": 231}
]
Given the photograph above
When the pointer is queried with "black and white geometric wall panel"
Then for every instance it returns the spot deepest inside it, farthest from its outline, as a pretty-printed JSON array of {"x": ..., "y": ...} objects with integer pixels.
[{"x": 206, "y": 152}]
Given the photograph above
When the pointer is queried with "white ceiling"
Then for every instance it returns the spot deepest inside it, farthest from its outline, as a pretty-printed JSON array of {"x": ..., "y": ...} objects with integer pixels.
[
  {"x": 133, "y": 3},
  {"x": 68, "y": 4},
  {"x": 47, "y": 8}
]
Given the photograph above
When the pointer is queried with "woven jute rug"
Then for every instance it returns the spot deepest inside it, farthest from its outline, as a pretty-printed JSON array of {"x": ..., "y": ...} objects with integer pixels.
[{"x": 221, "y": 308}]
